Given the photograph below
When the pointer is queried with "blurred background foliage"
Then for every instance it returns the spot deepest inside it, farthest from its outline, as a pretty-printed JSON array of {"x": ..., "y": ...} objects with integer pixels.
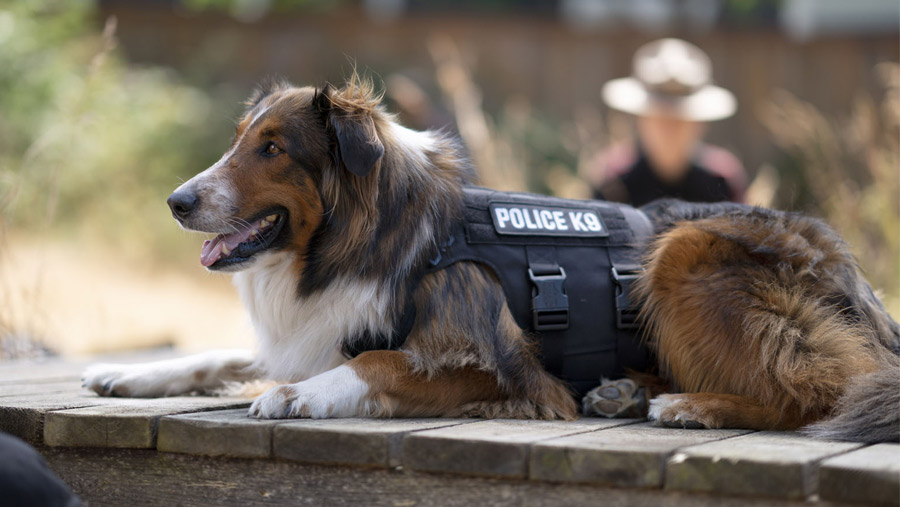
[
  {"x": 88, "y": 142},
  {"x": 850, "y": 170},
  {"x": 100, "y": 120}
]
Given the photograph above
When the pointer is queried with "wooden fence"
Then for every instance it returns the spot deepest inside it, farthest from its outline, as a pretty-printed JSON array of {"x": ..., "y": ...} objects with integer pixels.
[{"x": 558, "y": 69}]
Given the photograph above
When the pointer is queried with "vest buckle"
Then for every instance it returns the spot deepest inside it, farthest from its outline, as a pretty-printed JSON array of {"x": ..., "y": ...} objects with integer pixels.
[
  {"x": 626, "y": 310},
  {"x": 549, "y": 302}
]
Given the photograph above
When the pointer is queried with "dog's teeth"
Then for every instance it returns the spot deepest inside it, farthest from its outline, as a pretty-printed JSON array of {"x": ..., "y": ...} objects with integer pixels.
[
  {"x": 263, "y": 224},
  {"x": 253, "y": 233},
  {"x": 271, "y": 218},
  {"x": 225, "y": 249}
]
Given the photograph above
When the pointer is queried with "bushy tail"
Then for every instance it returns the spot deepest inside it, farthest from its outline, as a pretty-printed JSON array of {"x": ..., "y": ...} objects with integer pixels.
[{"x": 868, "y": 411}]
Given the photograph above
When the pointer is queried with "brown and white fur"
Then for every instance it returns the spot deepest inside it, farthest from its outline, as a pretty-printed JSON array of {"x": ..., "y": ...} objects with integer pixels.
[{"x": 326, "y": 208}]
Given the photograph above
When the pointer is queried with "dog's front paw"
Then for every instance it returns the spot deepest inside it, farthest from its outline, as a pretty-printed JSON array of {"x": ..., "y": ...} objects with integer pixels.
[
  {"x": 335, "y": 393},
  {"x": 295, "y": 401},
  {"x": 676, "y": 411},
  {"x": 131, "y": 380},
  {"x": 615, "y": 398},
  {"x": 289, "y": 401},
  {"x": 107, "y": 379}
]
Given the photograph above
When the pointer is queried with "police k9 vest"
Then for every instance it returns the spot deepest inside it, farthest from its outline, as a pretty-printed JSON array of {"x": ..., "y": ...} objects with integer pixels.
[{"x": 567, "y": 269}]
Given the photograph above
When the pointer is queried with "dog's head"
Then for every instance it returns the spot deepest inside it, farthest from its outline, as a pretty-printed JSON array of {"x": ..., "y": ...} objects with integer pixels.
[{"x": 294, "y": 150}]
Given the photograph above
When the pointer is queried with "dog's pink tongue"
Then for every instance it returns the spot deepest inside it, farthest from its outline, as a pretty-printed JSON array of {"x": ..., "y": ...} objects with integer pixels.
[{"x": 212, "y": 248}]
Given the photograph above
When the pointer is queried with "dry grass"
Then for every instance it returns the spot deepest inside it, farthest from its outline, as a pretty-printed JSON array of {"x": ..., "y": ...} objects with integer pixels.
[
  {"x": 81, "y": 297},
  {"x": 517, "y": 149},
  {"x": 851, "y": 169}
]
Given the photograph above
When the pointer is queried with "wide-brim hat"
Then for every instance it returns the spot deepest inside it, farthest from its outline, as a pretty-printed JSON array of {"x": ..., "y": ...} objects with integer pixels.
[{"x": 670, "y": 77}]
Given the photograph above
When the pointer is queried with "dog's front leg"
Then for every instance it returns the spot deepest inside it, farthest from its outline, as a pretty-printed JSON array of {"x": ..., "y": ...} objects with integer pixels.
[
  {"x": 379, "y": 383},
  {"x": 339, "y": 392},
  {"x": 171, "y": 377}
]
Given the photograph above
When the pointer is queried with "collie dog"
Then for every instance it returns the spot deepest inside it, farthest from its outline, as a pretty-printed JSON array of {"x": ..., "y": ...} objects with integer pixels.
[{"x": 325, "y": 208}]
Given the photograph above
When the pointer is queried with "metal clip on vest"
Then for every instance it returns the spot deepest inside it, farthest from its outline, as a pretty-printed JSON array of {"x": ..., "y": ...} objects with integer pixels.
[
  {"x": 549, "y": 302},
  {"x": 626, "y": 310}
]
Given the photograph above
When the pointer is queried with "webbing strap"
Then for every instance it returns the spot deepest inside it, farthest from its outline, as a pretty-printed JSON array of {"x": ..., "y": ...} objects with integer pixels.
[
  {"x": 549, "y": 303},
  {"x": 542, "y": 260}
]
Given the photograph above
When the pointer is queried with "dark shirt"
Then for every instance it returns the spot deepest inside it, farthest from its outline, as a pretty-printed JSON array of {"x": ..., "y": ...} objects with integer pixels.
[{"x": 714, "y": 175}]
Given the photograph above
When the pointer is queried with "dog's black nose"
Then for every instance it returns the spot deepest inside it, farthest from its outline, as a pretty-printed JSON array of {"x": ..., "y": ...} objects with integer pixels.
[{"x": 182, "y": 203}]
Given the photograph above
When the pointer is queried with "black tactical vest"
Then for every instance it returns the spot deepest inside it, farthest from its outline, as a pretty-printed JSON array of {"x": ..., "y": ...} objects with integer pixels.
[{"x": 567, "y": 269}]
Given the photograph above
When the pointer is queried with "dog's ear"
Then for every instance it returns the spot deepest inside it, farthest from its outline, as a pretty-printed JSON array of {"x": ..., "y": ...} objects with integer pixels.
[
  {"x": 359, "y": 147},
  {"x": 358, "y": 142},
  {"x": 322, "y": 99}
]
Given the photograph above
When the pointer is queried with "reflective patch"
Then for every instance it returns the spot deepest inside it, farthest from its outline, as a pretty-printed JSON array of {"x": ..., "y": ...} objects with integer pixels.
[{"x": 533, "y": 220}]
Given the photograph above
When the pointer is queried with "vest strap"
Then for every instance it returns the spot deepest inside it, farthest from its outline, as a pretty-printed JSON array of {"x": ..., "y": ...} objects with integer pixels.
[{"x": 549, "y": 302}]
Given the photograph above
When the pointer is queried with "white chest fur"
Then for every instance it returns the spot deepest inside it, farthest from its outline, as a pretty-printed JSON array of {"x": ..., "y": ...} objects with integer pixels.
[{"x": 301, "y": 337}]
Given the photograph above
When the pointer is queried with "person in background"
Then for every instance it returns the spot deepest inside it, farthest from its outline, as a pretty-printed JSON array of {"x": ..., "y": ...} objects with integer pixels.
[{"x": 672, "y": 95}]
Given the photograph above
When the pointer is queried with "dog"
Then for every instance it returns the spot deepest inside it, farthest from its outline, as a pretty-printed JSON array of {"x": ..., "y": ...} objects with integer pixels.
[{"x": 324, "y": 207}]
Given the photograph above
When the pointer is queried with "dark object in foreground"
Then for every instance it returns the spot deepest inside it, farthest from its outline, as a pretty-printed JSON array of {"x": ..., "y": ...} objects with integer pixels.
[{"x": 25, "y": 478}]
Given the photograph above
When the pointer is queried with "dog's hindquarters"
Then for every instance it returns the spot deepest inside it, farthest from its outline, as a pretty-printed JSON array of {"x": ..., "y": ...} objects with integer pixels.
[{"x": 745, "y": 308}]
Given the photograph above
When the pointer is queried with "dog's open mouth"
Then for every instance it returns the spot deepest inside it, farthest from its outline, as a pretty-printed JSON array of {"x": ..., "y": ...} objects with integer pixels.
[{"x": 227, "y": 250}]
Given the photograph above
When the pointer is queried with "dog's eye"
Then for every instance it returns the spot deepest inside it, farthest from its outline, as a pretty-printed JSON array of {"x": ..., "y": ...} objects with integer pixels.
[{"x": 272, "y": 149}]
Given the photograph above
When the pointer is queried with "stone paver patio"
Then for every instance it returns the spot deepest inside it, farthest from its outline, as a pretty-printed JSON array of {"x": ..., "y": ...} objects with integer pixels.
[{"x": 205, "y": 451}]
